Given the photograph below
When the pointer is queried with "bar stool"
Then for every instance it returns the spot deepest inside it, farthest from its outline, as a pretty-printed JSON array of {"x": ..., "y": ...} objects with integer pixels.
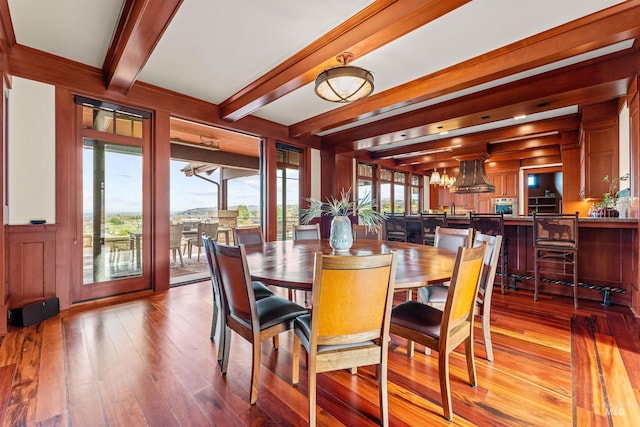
[
  {"x": 492, "y": 224},
  {"x": 429, "y": 223},
  {"x": 555, "y": 242},
  {"x": 396, "y": 227}
]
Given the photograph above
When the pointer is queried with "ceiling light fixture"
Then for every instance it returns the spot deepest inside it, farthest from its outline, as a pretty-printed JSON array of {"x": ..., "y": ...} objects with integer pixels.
[
  {"x": 344, "y": 83},
  {"x": 435, "y": 176}
]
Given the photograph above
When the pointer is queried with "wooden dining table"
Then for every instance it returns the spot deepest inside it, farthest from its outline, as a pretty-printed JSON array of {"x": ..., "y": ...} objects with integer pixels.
[{"x": 289, "y": 263}]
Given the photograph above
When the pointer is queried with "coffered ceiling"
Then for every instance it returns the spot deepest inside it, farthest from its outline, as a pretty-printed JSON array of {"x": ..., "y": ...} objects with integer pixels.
[{"x": 462, "y": 67}]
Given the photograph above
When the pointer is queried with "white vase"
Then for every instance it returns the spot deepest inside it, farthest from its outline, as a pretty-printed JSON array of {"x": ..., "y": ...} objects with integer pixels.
[{"x": 341, "y": 237}]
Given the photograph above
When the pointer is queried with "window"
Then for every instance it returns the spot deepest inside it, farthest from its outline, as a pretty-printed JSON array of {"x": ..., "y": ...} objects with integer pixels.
[
  {"x": 392, "y": 191},
  {"x": 416, "y": 194},
  {"x": 366, "y": 182},
  {"x": 288, "y": 194},
  {"x": 532, "y": 181}
]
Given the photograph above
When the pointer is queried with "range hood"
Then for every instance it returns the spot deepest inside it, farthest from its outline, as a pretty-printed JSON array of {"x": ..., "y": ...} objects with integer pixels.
[{"x": 472, "y": 178}]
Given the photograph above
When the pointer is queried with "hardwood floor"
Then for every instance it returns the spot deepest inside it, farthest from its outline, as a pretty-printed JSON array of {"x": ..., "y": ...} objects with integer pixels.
[{"x": 149, "y": 361}]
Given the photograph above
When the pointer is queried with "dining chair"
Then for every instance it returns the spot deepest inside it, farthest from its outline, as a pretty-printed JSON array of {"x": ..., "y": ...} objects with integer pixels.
[
  {"x": 349, "y": 322},
  {"x": 175, "y": 241},
  {"x": 429, "y": 222},
  {"x": 306, "y": 232},
  {"x": 452, "y": 238},
  {"x": 252, "y": 319},
  {"x": 210, "y": 229},
  {"x": 248, "y": 235},
  {"x": 555, "y": 244},
  {"x": 445, "y": 330},
  {"x": 259, "y": 289},
  {"x": 362, "y": 232},
  {"x": 437, "y": 294}
]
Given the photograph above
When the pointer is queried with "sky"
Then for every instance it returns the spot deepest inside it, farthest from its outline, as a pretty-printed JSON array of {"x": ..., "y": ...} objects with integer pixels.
[{"x": 123, "y": 186}]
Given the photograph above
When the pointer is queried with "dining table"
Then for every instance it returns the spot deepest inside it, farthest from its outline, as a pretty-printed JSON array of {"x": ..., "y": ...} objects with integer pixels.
[{"x": 289, "y": 263}]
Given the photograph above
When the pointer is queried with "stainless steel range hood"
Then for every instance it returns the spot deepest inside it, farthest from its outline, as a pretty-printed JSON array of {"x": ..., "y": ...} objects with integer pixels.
[{"x": 472, "y": 178}]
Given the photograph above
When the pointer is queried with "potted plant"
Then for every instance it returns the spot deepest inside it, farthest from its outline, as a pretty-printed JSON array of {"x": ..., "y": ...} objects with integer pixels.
[
  {"x": 341, "y": 236},
  {"x": 607, "y": 207}
]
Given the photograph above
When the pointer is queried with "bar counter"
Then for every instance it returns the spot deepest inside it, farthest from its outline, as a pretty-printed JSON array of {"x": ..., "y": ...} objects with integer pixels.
[{"x": 607, "y": 257}]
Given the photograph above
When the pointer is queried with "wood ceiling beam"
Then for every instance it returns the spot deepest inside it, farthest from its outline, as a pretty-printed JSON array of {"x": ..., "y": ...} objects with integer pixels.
[
  {"x": 142, "y": 24},
  {"x": 515, "y": 149},
  {"x": 375, "y": 26},
  {"x": 608, "y": 77},
  {"x": 615, "y": 24},
  {"x": 520, "y": 131}
]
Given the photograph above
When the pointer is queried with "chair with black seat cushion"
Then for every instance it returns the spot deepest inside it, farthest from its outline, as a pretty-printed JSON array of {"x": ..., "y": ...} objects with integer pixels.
[
  {"x": 429, "y": 222},
  {"x": 396, "y": 227},
  {"x": 306, "y": 232},
  {"x": 555, "y": 242},
  {"x": 445, "y": 330},
  {"x": 254, "y": 320},
  {"x": 248, "y": 235},
  {"x": 437, "y": 294},
  {"x": 259, "y": 289},
  {"x": 349, "y": 322},
  {"x": 492, "y": 224},
  {"x": 362, "y": 232}
]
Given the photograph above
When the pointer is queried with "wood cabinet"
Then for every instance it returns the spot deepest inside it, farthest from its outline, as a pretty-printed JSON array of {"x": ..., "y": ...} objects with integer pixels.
[
  {"x": 506, "y": 183},
  {"x": 466, "y": 201},
  {"x": 599, "y": 149}
]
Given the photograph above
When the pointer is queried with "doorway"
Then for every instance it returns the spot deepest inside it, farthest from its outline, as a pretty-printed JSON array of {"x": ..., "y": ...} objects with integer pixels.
[
  {"x": 543, "y": 190},
  {"x": 214, "y": 178}
]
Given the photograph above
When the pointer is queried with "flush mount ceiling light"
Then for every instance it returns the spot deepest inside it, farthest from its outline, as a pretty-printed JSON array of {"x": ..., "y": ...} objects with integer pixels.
[{"x": 344, "y": 83}]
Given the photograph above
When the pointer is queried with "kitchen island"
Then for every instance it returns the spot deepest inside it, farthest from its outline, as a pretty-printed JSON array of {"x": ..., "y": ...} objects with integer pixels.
[{"x": 607, "y": 258}]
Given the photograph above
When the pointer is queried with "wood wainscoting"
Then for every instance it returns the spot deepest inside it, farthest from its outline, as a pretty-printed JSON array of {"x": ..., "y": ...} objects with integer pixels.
[{"x": 32, "y": 263}]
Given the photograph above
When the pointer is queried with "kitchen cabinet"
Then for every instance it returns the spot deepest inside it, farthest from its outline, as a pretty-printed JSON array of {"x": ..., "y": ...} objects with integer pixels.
[
  {"x": 506, "y": 183},
  {"x": 462, "y": 201},
  {"x": 599, "y": 156}
]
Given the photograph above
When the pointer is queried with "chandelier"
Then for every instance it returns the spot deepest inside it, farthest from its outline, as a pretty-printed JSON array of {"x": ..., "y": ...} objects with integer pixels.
[
  {"x": 435, "y": 176},
  {"x": 344, "y": 83}
]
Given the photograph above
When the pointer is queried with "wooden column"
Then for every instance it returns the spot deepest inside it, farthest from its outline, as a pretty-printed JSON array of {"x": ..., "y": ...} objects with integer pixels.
[{"x": 633, "y": 101}]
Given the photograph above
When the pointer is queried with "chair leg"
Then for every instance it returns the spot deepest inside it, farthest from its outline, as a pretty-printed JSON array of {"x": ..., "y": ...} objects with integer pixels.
[
  {"x": 382, "y": 393},
  {"x": 471, "y": 361},
  {"x": 536, "y": 269},
  {"x": 180, "y": 254},
  {"x": 575, "y": 280},
  {"x": 255, "y": 370},
  {"x": 226, "y": 345},
  {"x": 445, "y": 394},
  {"x": 295, "y": 369},
  {"x": 486, "y": 332},
  {"x": 312, "y": 392}
]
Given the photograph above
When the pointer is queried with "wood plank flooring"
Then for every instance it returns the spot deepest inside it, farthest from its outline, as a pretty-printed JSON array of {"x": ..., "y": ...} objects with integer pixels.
[{"x": 131, "y": 361}]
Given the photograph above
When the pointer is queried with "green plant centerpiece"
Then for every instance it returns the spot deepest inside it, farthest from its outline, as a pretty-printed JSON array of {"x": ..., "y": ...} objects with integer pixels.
[
  {"x": 341, "y": 236},
  {"x": 607, "y": 206}
]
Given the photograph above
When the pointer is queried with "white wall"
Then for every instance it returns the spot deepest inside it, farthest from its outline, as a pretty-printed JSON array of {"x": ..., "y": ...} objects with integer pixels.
[{"x": 31, "y": 156}]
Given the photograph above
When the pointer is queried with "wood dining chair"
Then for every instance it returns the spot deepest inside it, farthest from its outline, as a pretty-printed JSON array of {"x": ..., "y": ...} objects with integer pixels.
[
  {"x": 260, "y": 291},
  {"x": 444, "y": 330},
  {"x": 248, "y": 235},
  {"x": 306, "y": 232},
  {"x": 362, "y": 232},
  {"x": 437, "y": 294},
  {"x": 349, "y": 322},
  {"x": 252, "y": 319}
]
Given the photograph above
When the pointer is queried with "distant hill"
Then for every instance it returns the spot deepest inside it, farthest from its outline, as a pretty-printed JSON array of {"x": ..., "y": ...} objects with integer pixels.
[{"x": 205, "y": 211}]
